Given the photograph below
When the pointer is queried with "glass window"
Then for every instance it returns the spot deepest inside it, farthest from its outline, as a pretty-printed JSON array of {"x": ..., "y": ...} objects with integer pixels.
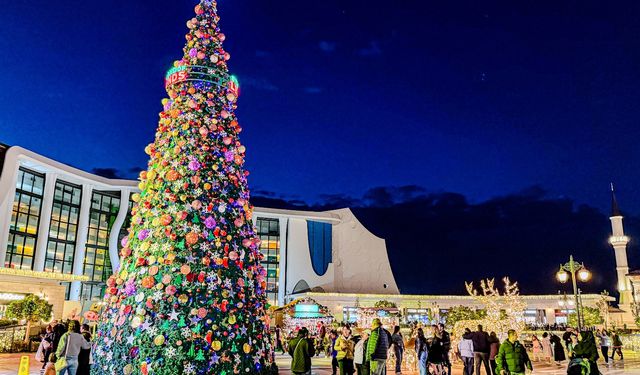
[
  {"x": 25, "y": 218},
  {"x": 62, "y": 232},
  {"x": 269, "y": 233},
  {"x": 97, "y": 264}
]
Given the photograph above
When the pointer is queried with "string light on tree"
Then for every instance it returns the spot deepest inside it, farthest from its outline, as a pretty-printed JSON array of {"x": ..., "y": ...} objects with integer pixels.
[{"x": 189, "y": 297}]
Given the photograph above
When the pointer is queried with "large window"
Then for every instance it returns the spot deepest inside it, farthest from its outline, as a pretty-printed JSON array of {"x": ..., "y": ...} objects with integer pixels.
[
  {"x": 320, "y": 245},
  {"x": 97, "y": 264},
  {"x": 269, "y": 232},
  {"x": 25, "y": 217},
  {"x": 64, "y": 228}
]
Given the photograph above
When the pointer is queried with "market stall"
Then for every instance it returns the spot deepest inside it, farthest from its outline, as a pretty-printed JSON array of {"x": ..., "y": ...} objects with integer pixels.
[{"x": 303, "y": 312}]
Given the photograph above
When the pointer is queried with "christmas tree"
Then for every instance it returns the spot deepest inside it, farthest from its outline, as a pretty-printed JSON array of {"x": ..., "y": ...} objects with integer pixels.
[{"x": 189, "y": 297}]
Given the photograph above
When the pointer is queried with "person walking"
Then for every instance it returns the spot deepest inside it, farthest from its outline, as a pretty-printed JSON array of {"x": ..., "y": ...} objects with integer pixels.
[
  {"x": 446, "y": 346},
  {"x": 617, "y": 345},
  {"x": 558, "y": 350},
  {"x": 69, "y": 348},
  {"x": 567, "y": 337},
  {"x": 537, "y": 348},
  {"x": 465, "y": 348},
  {"x": 344, "y": 351},
  {"x": 377, "y": 347},
  {"x": 421, "y": 351},
  {"x": 605, "y": 344},
  {"x": 494, "y": 346},
  {"x": 547, "y": 350},
  {"x": 398, "y": 348},
  {"x": 481, "y": 349},
  {"x": 333, "y": 337},
  {"x": 586, "y": 349},
  {"x": 84, "y": 358},
  {"x": 359, "y": 358},
  {"x": 435, "y": 356},
  {"x": 301, "y": 350},
  {"x": 512, "y": 357}
]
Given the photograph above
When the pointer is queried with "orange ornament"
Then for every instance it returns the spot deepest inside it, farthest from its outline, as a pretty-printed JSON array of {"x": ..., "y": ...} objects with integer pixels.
[
  {"x": 148, "y": 282},
  {"x": 192, "y": 238},
  {"x": 172, "y": 175}
]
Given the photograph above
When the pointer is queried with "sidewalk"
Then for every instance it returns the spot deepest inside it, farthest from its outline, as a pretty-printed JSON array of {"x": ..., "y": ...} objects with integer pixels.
[{"x": 322, "y": 366}]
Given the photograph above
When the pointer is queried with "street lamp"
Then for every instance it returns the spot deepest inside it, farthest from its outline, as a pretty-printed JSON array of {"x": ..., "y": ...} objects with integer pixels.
[{"x": 575, "y": 271}]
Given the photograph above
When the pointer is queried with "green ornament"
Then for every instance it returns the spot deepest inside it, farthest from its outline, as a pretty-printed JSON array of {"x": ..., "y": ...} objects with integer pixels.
[
  {"x": 200, "y": 356},
  {"x": 181, "y": 323},
  {"x": 180, "y": 245},
  {"x": 192, "y": 351}
]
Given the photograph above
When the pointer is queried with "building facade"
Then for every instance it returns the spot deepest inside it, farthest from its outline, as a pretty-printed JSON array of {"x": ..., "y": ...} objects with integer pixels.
[{"x": 63, "y": 224}]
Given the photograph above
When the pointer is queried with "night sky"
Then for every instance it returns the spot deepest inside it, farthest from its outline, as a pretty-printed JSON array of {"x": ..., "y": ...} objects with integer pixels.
[{"x": 489, "y": 130}]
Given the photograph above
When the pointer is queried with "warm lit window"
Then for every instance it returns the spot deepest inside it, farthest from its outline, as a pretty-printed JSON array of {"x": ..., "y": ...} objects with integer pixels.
[
  {"x": 25, "y": 218},
  {"x": 63, "y": 228},
  {"x": 97, "y": 264},
  {"x": 269, "y": 232}
]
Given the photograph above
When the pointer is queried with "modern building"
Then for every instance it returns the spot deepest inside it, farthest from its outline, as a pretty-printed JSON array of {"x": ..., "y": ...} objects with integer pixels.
[
  {"x": 58, "y": 223},
  {"x": 61, "y": 229}
]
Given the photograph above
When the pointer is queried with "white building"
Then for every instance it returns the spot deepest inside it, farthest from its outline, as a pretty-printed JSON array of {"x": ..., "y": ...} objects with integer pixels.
[
  {"x": 60, "y": 232},
  {"x": 63, "y": 224}
]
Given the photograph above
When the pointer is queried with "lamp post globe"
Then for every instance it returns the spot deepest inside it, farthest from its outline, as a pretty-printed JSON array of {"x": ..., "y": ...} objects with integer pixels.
[
  {"x": 584, "y": 274},
  {"x": 562, "y": 275}
]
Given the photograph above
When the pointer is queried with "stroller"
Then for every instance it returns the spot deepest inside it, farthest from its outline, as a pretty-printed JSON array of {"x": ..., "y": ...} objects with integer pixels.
[{"x": 579, "y": 366}]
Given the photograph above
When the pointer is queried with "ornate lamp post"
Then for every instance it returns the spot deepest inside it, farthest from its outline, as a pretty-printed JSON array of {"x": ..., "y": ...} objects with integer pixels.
[{"x": 574, "y": 270}]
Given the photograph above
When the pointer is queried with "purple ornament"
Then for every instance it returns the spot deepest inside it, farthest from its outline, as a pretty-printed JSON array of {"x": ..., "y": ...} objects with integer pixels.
[
  {"x": 143, "y": 234},
  {"x": 210, "y": 222},
  {"x": 194, "y": 165},
  {"x": 130, "y": 287},
  {"x": 125, "y": 241},
  {"x": 193, "y": 52},
  {"x": 228, "y": 155}
]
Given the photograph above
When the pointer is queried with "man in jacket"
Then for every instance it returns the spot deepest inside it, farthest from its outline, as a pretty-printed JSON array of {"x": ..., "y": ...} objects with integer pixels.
[
  {"x": 377, "y": 347},
  {"x": 512, "y": 357},
  {"x": 481, "y": 348},
  {"x": 465, "y": 348},
  {"x": 446, "y": 347},
  {"x": 301, "y": 350}
]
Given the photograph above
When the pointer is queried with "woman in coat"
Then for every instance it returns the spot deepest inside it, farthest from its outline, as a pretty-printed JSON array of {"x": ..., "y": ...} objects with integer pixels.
[
  {"x": 421, "y": 351},
  {"x": 362, "y": 366},
  {"x": 547, "y": 349},
  {"x": 435, "y": 352},
  {"x": 398, "y": 348},
  {"x": 586, "y": 349},
  {"x": 558, "y": 350},
  {"x": 537, "y": 348}
]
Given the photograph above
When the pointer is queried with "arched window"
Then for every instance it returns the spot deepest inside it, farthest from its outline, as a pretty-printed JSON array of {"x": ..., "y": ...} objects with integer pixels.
[{"x": 320, "y": 245}]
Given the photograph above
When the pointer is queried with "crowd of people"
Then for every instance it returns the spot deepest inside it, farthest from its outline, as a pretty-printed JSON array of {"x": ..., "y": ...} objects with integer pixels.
[
  {"x": 65, "y": 349},
  {"x": 368, "y": 351}
]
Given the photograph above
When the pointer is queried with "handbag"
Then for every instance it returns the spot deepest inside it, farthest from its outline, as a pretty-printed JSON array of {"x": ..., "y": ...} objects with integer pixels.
[{"x": 62, "y": 363}]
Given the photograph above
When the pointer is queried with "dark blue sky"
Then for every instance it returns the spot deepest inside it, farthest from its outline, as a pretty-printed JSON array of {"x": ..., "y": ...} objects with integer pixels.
[
  {"x": 483, "y": 99},
  {"x": 480, "y": 98}
]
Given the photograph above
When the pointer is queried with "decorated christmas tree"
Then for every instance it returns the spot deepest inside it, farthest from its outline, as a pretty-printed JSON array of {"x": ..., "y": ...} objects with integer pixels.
[{"x": 189, "y": 297}]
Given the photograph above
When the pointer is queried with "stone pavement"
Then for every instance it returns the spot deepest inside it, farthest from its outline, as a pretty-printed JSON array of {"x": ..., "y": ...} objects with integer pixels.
[{"x": 322, "y": 366}]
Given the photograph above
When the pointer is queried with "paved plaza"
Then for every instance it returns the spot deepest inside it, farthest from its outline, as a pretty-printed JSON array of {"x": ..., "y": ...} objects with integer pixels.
[{"x": 322, "y": 366}]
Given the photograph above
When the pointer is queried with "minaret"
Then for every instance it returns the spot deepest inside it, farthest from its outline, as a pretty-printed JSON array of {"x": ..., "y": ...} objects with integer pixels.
[{"x": 619, "y": 242}]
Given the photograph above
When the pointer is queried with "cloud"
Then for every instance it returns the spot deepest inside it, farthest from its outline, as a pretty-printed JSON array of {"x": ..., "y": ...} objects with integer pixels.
[
  {"x": 436, "y": 241},
  {"x": 326, "y": 46},
  {"x": 131, "y": 173},
  {"x": 112, "y": 173},
  {"x": 259, "y": 83},
  {"x": 372, "y": 50},
  {"x": 313, "y": 90}
]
